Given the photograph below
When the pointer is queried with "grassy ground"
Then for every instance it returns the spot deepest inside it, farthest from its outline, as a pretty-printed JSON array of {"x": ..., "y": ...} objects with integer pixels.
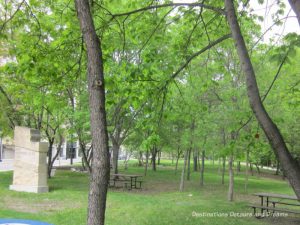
[{"x": 158, "y": 203}]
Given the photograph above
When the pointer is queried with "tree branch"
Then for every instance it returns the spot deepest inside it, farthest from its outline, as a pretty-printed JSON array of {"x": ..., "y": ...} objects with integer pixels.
[{"x": 217, "y": 10}]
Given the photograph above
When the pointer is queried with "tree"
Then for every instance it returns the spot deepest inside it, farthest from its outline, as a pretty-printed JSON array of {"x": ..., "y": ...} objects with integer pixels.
[
  {"x": 290, "y": 165},
  {"x": 100, "y": 163}
]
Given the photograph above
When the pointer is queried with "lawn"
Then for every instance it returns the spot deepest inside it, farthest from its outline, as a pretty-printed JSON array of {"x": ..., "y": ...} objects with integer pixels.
[{"x": 159, "y": 202}]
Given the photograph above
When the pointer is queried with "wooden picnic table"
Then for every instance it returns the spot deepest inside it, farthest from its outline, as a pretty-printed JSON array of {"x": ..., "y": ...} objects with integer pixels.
[
  {"x": 133, "y": 178},
  {"x": 276, "y": 198}
]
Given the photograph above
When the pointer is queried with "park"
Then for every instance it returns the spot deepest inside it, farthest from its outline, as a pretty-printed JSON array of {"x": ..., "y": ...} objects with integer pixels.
[{"x": 149, "y": 112}]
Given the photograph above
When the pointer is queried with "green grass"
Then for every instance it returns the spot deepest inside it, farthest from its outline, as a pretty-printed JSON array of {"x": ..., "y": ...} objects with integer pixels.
[{"x": 158, "y": 203}]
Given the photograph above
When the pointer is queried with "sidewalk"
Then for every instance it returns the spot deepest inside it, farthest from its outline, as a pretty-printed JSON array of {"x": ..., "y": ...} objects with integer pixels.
[{"x": 8, "y": 164}]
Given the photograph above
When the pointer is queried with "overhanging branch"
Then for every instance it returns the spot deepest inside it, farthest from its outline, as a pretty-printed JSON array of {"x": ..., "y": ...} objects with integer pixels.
[{"x": 217, "y": 10}]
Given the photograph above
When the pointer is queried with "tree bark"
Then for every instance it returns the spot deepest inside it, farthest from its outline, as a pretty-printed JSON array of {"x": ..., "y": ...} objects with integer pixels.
[
  {"x": 181, "y": 187},
  {"x": 231, "y": 179},
  {"x": 290, "y": 167},
  {"x": 189, "y": 165},
  {"x": 153, "y": 158},
  {"x": 195, "y": 159},
  {"x": 202, "y": 168},
  {"x": 100, "y": 161},
  {"x": 115, "y": 154},
  {"x": 295, "y": 4}
]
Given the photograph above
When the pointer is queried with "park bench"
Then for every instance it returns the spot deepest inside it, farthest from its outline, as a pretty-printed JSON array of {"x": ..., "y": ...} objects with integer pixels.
[{"x": 275, "y": 199}]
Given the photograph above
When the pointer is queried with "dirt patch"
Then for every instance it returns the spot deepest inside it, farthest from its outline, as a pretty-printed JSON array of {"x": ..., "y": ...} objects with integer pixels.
[{"x": 44, "y": 205}]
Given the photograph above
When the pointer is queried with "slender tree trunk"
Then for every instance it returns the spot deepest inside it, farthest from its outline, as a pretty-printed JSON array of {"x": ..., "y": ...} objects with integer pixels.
[
  {"x": 290, "y": 167},
  {"x": 189, "y": 165},
  {"x": 251, "y": 169},
  {"x": 51, "y": 141},
  {"x": 100, "y": 162},
  {"x": 146, "y": 165},
  {"x": 257, "y": 168},
  {"x": 247, "y": 170},
  {"x": 223, "y": 170},
  {"x": 238, "y": 167},
  {"x": 181, "y": 187},
  {"x": 153, "y": 159},
  {"x": 195, "y": 159},
  {"x": 177, "y": 159},
  {"x": 158, "y": 157},
  {"x": 231, "y": 179},
  {"x": 115, "y": 154},
  {"x": 202, "y": 168}
]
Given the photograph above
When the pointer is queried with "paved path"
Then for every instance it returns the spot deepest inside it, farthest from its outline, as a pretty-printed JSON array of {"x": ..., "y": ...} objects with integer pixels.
[{"x": 7, "y": 164}]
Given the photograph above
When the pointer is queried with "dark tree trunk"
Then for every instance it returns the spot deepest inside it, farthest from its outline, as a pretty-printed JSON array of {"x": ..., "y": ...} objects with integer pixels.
[
  {"x": 295, "y": 4},
  {"x": 141, "y": 159},
  {"x": 189, "y": 165},
  {"x": 251, "y": 169},
  {"x": 158, "y": 157},
  {"x": 100, "y": 162},
  {"x": 231, "y": 179},
  {"x": 51, "y": 142},
  {"x": 238, "y": 167},
  {"x": 195, "y": 159},
  {"x": 202, "y": 168},
  {"x": 153, "y": 158},
  {"x": 290, "y": 167}
]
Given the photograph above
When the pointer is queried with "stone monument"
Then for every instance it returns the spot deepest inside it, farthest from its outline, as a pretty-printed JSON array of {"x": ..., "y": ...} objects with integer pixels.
[{"x": 30, "y": 164}]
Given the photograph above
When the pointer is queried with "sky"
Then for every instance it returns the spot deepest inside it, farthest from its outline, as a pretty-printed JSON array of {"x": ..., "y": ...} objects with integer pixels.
[{"x": 266, "y": 10}]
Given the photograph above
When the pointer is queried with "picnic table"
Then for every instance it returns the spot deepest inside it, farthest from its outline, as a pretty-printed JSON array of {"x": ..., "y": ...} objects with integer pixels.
[
  {"x": 129, "y": 181},
  {"x": 271, "y": 198}
]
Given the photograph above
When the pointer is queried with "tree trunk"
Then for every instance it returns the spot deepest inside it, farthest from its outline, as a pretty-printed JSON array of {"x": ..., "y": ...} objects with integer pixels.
[
  {"x": 223, "y": 170},
  {"x": 158, "y": 157},
  {"x": 115, "y": 155},
  {"x": 177, "y": 159},
  {"x": 100, "y": 162},
  {"x": 290, "y": 167},
  {"x": 231, "y": 179},
  {"x": 238, "y": 167},
  {"x": 257, "y": 168},
  {"x": 153, "y": 159},
  {"x": 295, "y": 4},
  {"x": 146, "y": 165},
  {"x": 51, "y": 141},
  {"x": 195, "y": 159},
  {"x": 247, "y": 170},
  {"x": 189, "y": 165},
  {"x": 251, "y": 169},
  {"x": 277, "y": 168},
  {"x": 202, "y": 168},
  {"x": 141, "y": 159},
  {"x": 181, "y": 187}
]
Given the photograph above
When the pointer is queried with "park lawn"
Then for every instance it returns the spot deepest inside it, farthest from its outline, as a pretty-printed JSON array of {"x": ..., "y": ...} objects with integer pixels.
[{"x": 159, "y": 202}]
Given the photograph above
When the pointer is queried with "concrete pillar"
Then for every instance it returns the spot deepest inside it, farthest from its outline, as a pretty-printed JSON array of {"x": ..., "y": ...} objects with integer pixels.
[{"x": 30, "y": 164}]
